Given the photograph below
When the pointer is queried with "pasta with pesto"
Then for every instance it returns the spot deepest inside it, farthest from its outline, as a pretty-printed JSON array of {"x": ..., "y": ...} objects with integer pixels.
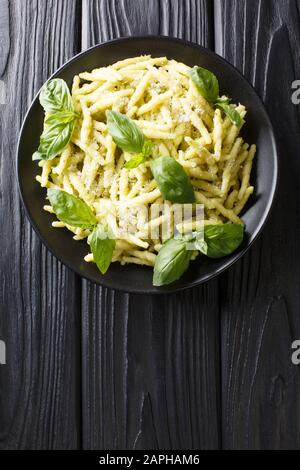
[{"x": 160, "y": 98}]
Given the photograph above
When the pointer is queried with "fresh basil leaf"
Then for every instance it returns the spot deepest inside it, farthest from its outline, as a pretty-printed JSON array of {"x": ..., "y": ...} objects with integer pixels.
[
  {"x": 62, "y": 117},
  {"x": 135, "y": 161},
  {"x": 125, "y": 132},
  {"x": 220, "y": 240},
  {"x": 171, "y": 262},
  {"x": 53, "y": 140},
  {"x": 206, "y": 83},
  {"x": 173, "y": 182},
  {"x": 232, "y": 113},
  {"x": 102, "y": 247},
  {"x": 55, "y": 96},
  {"x": 70, "y": 209}
]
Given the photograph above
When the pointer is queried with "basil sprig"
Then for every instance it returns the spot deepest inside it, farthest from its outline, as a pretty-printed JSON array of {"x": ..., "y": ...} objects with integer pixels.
[
  {"x": 174, "y": 257},
  {"x": 75, "y": 212},
  {"x": 208, "y": 86},
  {"x": 129, "y": 137},
  {"x": 57, "y": 102},
  {"x": 173, "y": 182},
  {"x": 102, "y": 246},
  {"x": 234, "y": 116}
]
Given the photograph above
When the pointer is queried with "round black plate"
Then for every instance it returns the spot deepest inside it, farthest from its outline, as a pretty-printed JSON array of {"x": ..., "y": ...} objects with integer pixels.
[{"x": 258, "y": 129}]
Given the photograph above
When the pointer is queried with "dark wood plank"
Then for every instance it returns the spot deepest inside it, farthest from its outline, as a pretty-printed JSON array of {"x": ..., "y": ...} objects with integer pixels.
[
  {"x": 39, "y": 298},
  {"x": 260, "y": 294},
  {"x": 150, "y": 364}
]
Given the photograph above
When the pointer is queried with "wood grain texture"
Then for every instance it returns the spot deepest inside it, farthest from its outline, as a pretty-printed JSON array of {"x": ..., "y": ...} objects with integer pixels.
[
  {"x": 4, "y": 35},
  {"x": 39, "y": 386},
  {"x": 188, "y": 19},
  {"x": 150, "y": 364},
  {"x": 260, "y": 294}
]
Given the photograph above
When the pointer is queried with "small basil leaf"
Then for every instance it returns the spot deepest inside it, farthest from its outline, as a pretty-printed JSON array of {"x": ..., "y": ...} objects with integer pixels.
[
  {"x": 206, "y": 83},
  {"x": 221, "y": 240},
  {"x": 55, "y": 96},
  {"x": 171, "y": 262},
  {"x": 54, "y": 139},
  {"x": 125, "y": 132},
  {"x": 70, "y": 209},
  {"x": 173, "y": 182},
  {"x": 232, "y": 113},
  {"x": 102, "y": 247},
  {"x": 135, "y": 161},
  {"x": 141, "y": 157},
  {"x": 147, "y": 148}
]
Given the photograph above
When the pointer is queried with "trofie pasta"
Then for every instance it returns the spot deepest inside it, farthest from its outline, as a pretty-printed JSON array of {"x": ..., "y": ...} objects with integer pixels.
[{"x": 156, "y": 105}]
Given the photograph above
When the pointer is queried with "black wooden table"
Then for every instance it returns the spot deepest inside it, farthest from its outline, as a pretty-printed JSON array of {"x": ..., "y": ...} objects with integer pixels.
[{"x": 209, "y": 368}]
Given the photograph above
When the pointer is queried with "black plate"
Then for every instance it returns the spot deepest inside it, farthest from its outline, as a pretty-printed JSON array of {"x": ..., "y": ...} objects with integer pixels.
[{"x": 258, "y": 130}]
